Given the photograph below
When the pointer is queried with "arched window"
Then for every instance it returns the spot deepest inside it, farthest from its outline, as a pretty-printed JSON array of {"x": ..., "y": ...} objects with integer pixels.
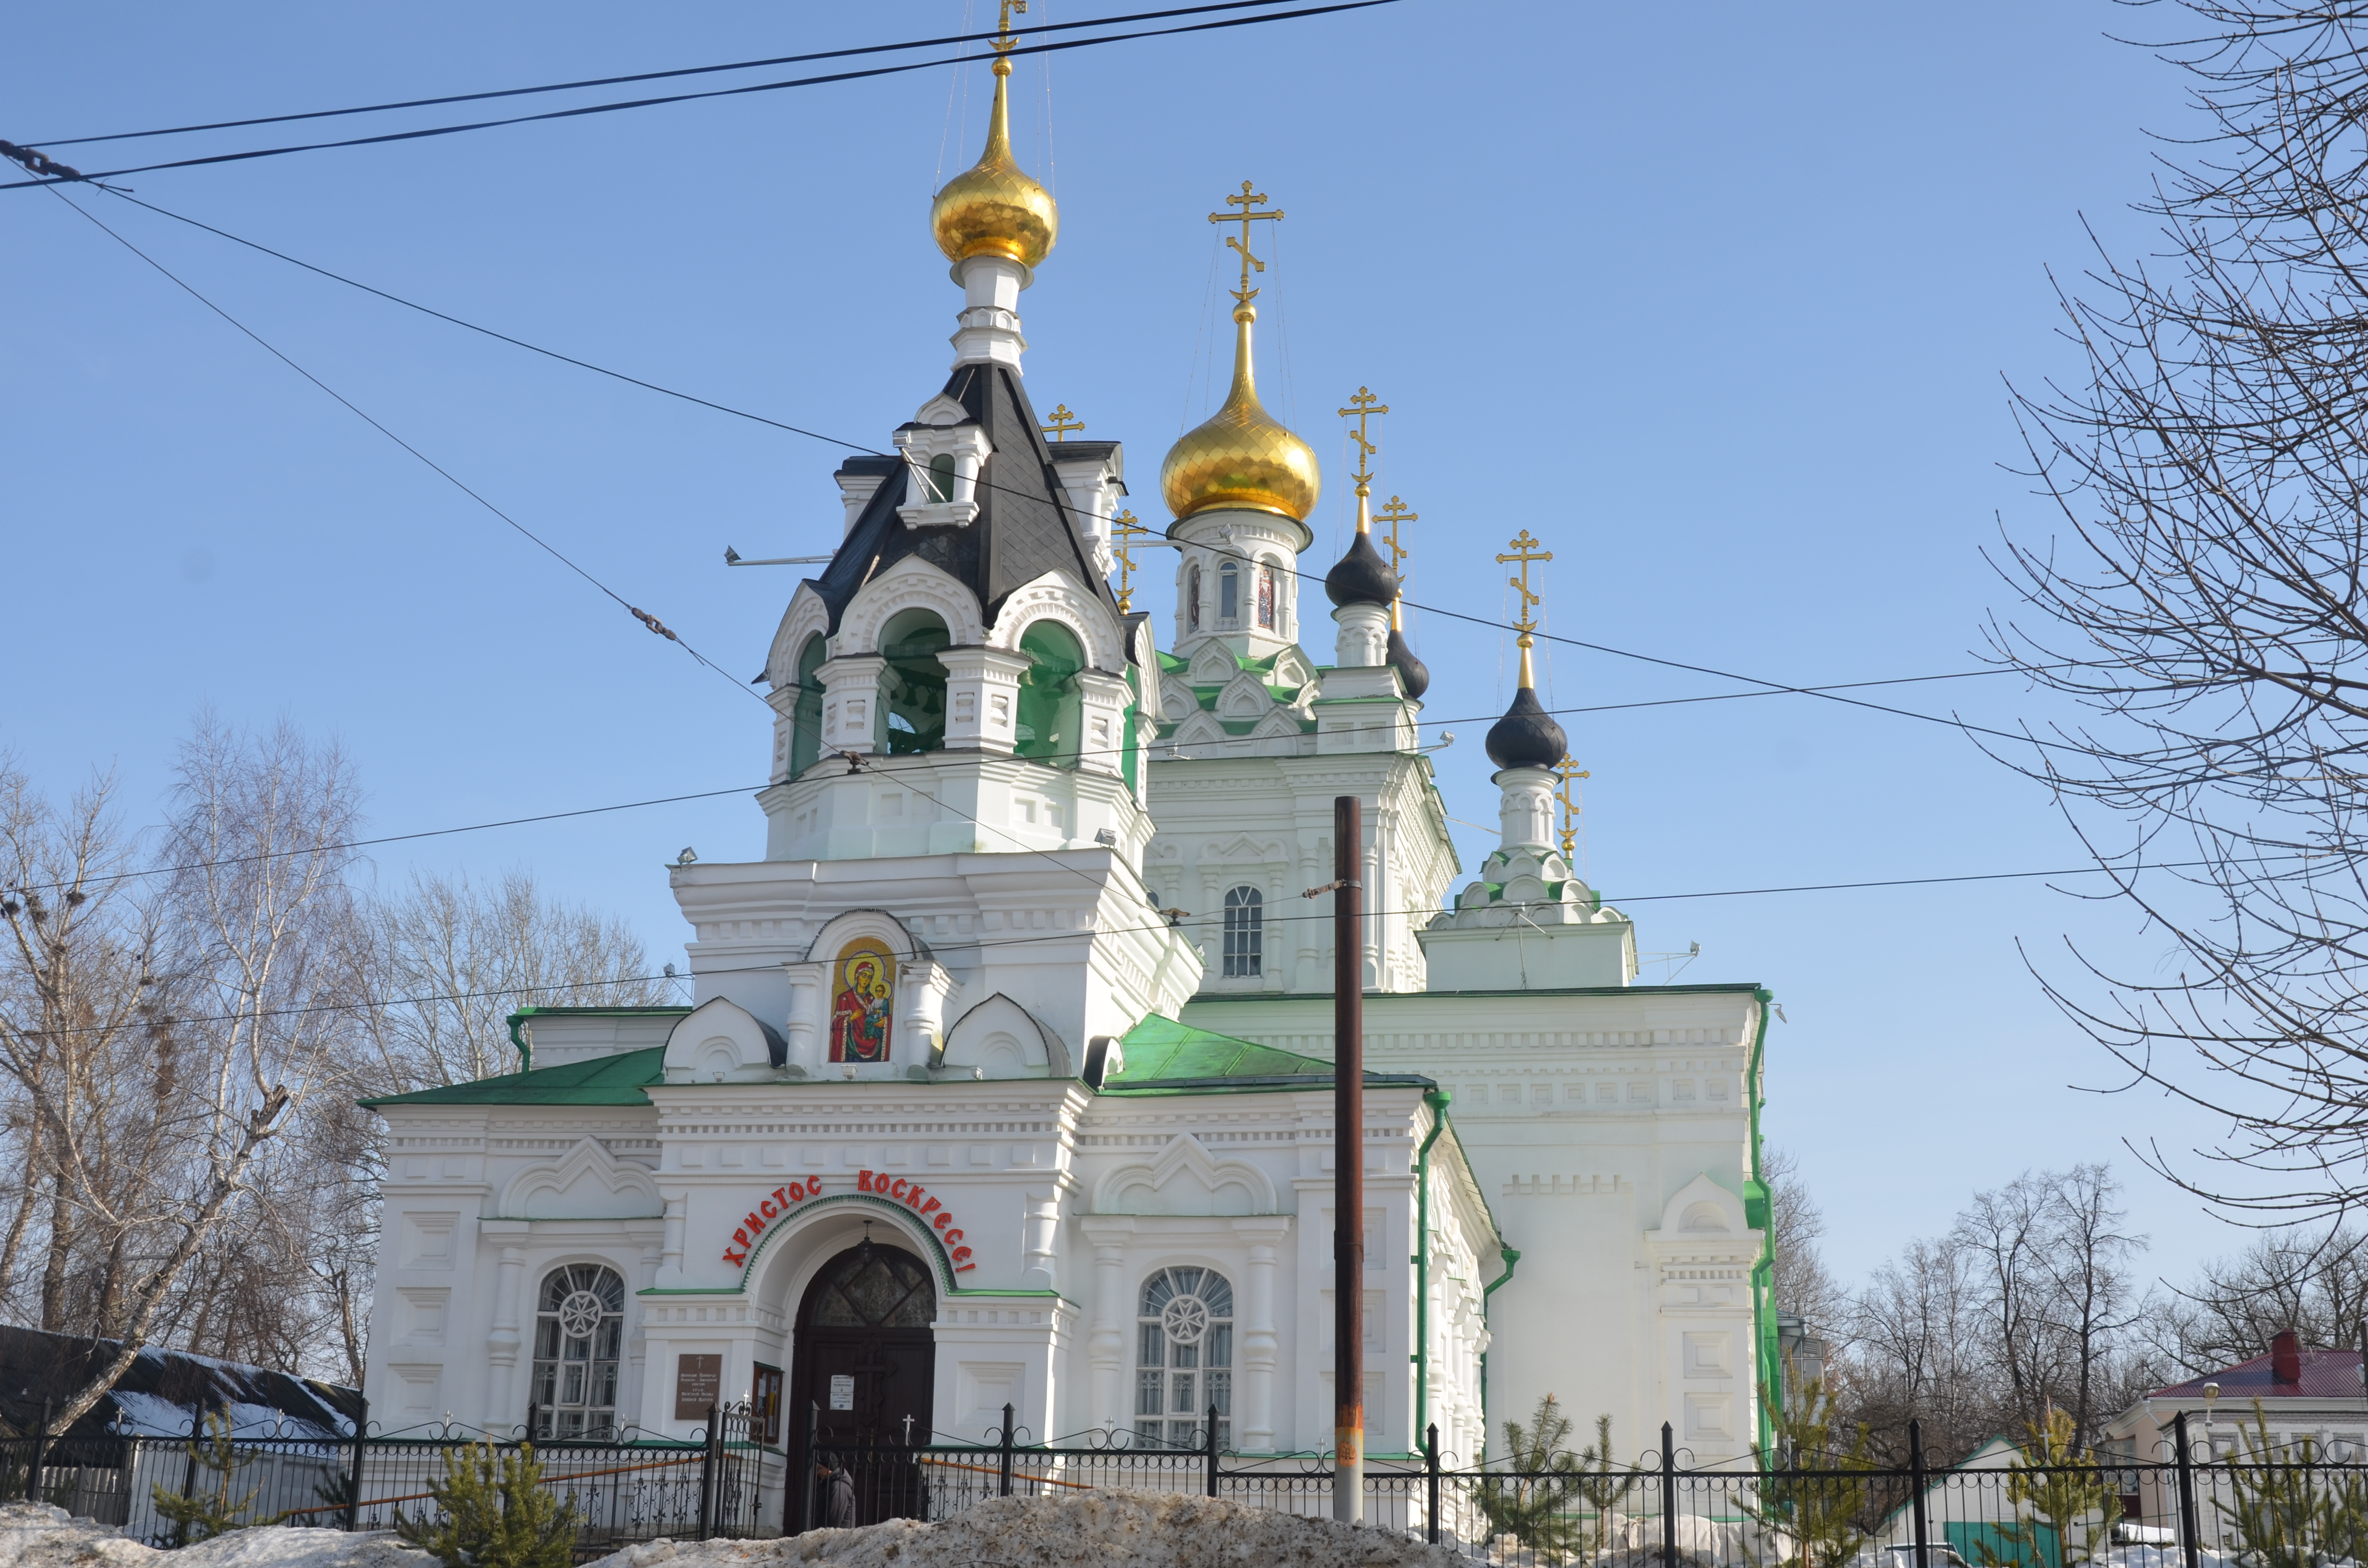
[
  {"x": 1193, "y": 598},
  {"x": 1049, "y": 714},
  {"x": 940, "y": 477},
  {"x": 1184, "y": 1359},
  {"x": 806, "y": 724},
  {"x": 913, "y": 686},
  {"x": 1266, "y": 595},
  {"x": 577, "y": 1333},
  {"x": 1229, "y": 593},
  {"x": 1244, "y": 932}
]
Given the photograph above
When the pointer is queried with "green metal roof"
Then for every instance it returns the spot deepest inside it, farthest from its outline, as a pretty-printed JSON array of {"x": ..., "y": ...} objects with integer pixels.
[
  {"x": 602, "y": 1080},
  {"x": 1163, "y": 1057}
]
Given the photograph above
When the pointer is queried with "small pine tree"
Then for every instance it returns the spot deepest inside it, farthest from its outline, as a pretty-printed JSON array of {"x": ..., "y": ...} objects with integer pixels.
[
  {"x": 496, "y": 1513},
  {"x": 2287, "y": 1512},
  {"x": 1816, "y": 1521},
  {"x": 1533, "y": 1503},
  {"x": 2056, "y": 1492},
  {"x": 208, "y": 1511},
  {"x": 1600, "y": 1486}
]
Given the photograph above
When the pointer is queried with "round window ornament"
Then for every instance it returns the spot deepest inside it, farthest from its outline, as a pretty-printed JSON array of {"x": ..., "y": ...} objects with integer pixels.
[
  {"x": 1184, "y": 1320},
  {"x": 580, "y": 1314}
]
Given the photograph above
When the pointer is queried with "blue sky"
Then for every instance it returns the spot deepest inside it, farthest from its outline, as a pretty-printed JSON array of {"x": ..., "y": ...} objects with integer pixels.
[{"x": 1720, "y": 301}]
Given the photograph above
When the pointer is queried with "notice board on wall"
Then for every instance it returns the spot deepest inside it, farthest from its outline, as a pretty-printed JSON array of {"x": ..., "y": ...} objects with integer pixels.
[{"x": 698, "y": 1386}]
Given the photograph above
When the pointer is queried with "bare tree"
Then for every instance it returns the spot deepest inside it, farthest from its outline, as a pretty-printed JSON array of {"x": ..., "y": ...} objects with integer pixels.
[
  {"x": 1918, "y": 1350},
  {"x": 1804, "y": 1284},
  {"x": 2208, "y": 607},
  {"x": 237, "y": 985},
  {"x": 2317, "y": 1285}
]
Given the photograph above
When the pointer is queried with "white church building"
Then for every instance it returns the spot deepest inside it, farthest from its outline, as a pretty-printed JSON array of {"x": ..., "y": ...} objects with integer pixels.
[{"x": 1008, "y": 1077}]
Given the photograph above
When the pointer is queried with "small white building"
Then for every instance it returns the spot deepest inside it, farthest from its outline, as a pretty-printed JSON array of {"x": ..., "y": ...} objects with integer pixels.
[{"x": 1007, "y": 1079}]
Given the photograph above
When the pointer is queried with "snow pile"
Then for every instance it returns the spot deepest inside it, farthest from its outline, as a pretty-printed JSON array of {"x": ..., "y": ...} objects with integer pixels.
[
  {"x": 1090, "y": 1529},
  {"x": 34, "y": 1535}
]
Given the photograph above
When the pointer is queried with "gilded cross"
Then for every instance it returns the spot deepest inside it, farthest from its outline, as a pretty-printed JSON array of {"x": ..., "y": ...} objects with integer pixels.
[
  {"x": 1245, "y": 201},
  {"x": 1361, "y": 407},
  {"x": 1003, "y": 26},
  {"x": 1525, "y": 550},
  {"x": 1394, "y": 512},
  {"x": 1124, "y": 531},
  {"x": 1569, "y": 772},
  {"x": 1063, "y": 422}
]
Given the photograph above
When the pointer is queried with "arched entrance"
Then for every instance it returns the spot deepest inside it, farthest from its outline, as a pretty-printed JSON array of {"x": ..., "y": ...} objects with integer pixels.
[{"x": 862, "y": 1371}]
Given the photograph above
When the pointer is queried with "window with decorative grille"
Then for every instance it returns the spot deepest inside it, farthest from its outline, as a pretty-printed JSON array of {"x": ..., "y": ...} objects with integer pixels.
[{"x": 1184, "y": 1360}]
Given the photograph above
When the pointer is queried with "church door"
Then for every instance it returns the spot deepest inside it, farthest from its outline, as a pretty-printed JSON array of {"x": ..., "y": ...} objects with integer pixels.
[{"x": 863, "y": 1371}]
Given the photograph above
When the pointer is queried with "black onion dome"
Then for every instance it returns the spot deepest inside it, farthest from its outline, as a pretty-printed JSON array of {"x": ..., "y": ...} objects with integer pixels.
[
  {"x": 1526, "y": 736},
  {"x": 1361, "y": 576},
  {"x": 1412, "y": 673}
]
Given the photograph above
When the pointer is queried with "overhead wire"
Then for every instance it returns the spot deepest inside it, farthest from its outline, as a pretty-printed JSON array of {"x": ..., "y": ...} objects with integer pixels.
[
  {"x": 1089, "y": 932},
  {"x": 647, "y": 619},
  {"x": 1827, "y": 693},
  {"x": 583, "y": 110},
  {"x": 884, "y": 766},
  {"x": 656, "y": 75}
]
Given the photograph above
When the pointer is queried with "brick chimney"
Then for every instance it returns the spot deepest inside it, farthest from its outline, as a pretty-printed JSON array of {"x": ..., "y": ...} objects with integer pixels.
[{"x": 2285, "y": 1357}]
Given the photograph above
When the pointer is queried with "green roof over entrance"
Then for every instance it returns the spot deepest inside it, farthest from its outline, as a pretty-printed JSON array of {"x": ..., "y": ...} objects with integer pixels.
[
  {"x": 1163, "y": 1057},
  {"x": 603, "y": 1080}
]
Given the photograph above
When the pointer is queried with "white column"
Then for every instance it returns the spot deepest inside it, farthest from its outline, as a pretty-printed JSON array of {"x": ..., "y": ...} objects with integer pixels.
[
  {"x": 1037, "y": 1241},
  {"x": 808, "y": 1009},
  {"x": 981, "y": 692},
  {"x": 989, "y": 329},
  {"x": 670, "y": 1260},
  {"x": 501, "y": 1346},
  {"x": 920, "y": 1017},
  {"x": 1525, "y": 816},
  {"x": 850, "y": 700},
  {"x": 1260, "y": 1342},
  {"x": 1363, "y": 640},
  {"x": 637, "y": 1344},
  {"x": 1102, "y": 700},
  {"x": 1106, "y": 1346}
]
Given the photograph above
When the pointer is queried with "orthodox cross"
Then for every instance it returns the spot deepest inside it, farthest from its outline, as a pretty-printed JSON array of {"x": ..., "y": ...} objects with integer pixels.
[
  {"x": 1525, "y": 550},
  {"x": 1394, "y": 512},
  {"x": 1063, "y": 422},
  {"x": 1245, "y": 201},
  {"x": 1124, "y": 531},
  {"x": 1361, "y": 407},
  {"x": 1569, "y": 771}
]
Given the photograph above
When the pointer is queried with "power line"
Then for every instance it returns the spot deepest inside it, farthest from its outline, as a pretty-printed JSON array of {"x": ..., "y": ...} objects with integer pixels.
[
  {"x": 882, "y": 766},
  {"x": 1771, "y": 686},
  {"x": 1089, "y": 933},
  {"x": 646, "y": 618},
  {"x": 48, "y": 141},
  {"x": 686, "y": 97}
]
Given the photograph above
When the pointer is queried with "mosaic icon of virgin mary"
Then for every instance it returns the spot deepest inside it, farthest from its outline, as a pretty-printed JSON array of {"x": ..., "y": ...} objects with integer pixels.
[{"x": 863, "y": 1001}]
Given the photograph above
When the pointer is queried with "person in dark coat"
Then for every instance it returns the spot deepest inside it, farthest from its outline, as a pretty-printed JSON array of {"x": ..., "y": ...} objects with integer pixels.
[{"x": 835, "y": 1487}]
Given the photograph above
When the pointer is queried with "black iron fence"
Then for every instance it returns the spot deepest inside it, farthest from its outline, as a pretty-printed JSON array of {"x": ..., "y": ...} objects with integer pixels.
[{"x": 2260, "y": 1508}]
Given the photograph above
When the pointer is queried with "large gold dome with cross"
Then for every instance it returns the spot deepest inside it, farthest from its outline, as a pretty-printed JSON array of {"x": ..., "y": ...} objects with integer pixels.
[
  {"x": 992, "y": 208},
  {"x": 1242, "y": 456}
]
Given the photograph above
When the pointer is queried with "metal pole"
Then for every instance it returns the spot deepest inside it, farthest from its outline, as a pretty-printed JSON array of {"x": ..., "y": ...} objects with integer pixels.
[
  {"x": 1915, "y": 1480},
  {"x": 814, "y": 1459},
  {"x": 1003, "y": 1482},
  {"x": 189, "y": 1471},
  {"x": 707, "y": 1475},
  {"x": 1348, "y": 1161},
  {"x": 1668, "y": 1498},
  {"x": 354, "y": 1476},
  {"x": 2187, "y": 1524},
  {"x": 33, "y": 1470},
  {"x": 1430, "y": 1471},
  {"x": 1213, "y": 1450}
]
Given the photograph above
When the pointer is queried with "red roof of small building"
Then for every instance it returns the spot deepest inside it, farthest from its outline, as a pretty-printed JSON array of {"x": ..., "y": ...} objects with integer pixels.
[{"x": 2325, "y": 1374}]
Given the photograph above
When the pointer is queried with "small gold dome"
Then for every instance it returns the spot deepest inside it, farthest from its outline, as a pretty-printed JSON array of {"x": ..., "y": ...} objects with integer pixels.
[
  {"x": 1242, "y": 456},
  {"x": 993, "y": 209}
]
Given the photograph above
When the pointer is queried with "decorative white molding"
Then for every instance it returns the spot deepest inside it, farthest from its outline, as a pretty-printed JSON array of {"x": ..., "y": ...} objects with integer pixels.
[
  {"x": 1187, "y": 1180},
  {"x": 587, "y": 1182}
]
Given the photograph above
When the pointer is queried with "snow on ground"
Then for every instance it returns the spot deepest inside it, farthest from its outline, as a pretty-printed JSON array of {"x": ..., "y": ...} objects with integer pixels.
[
  {"x": 1096, "y": 1529},
  {"x": 33, "y": 1534}
]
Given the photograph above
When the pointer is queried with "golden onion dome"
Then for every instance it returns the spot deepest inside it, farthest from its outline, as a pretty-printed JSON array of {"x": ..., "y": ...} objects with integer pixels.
[
  {"x": 993, "y": 209},
  {"x": 1242, "y": 456}
]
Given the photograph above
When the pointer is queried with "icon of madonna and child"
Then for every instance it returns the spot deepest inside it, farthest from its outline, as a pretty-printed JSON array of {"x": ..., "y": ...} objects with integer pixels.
[{"x": 863, "y": 1001}]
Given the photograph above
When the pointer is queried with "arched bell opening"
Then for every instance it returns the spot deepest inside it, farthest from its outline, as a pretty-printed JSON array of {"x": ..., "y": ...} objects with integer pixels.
[
  {"x": 913, "y": 686},
  {"x": 1049, "y": 709}
]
